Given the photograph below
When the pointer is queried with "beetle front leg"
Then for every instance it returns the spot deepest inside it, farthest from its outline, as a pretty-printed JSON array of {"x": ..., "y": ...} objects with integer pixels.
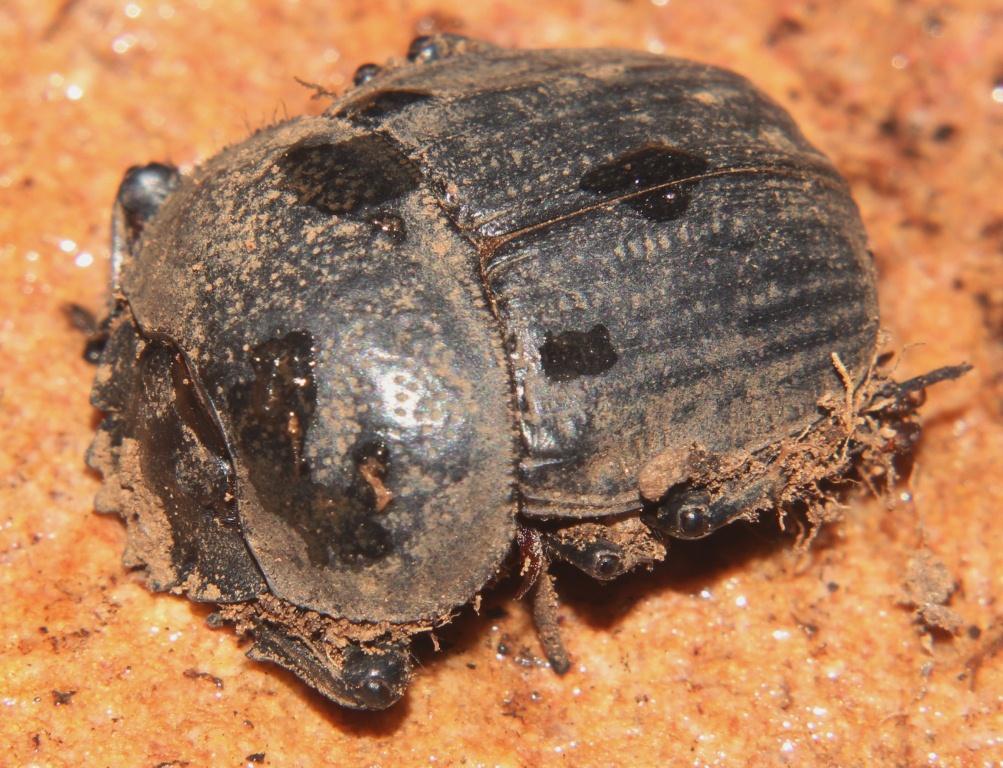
[{"x": 141, "y": 192}]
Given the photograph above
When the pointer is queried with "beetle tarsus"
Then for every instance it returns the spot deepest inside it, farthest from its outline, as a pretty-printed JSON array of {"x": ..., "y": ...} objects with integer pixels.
[
  {"x": 545, "y": 617},
  {"x": 919, "y": 383}
]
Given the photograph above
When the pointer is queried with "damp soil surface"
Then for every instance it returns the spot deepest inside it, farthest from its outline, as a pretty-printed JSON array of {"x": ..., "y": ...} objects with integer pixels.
[{"x": 880, "y": 645}]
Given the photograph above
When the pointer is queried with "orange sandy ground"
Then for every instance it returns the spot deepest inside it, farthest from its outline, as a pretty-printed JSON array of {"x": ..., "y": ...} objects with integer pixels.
[{"x": 737, "y": 652}]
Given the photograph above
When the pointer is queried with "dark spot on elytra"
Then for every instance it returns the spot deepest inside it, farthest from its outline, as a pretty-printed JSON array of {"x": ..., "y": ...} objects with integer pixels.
[
  {"x": 192, "y": 410},
  {"x": 339, "y": 525},
  {"x": 641, "y": 168},
  {"x": 650, "y": 168},
  {"x": 183, "y": 456},
  {"x": 372, "y": 450},
  {"x": 391, "y": 225},
  {"x": 662, "y": 205},
  {"x": 372, "y": 467},
  {"x": 374, "y": 108},
  {"x": 359, "y": 541},
  {"x": 348, "y": 177},
  {"x": 571, "y": 354}
]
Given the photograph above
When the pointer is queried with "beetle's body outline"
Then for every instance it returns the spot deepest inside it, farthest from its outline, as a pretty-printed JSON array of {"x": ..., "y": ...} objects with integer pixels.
[{"x": 348, "y": 366}]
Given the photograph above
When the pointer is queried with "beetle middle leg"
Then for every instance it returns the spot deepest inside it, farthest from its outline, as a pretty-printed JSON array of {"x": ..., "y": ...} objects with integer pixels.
[{"x": 545, "y": 605}]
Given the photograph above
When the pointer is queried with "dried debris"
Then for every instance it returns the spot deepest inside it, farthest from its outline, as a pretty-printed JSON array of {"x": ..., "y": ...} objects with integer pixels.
[{"x": 928, "y": 588}]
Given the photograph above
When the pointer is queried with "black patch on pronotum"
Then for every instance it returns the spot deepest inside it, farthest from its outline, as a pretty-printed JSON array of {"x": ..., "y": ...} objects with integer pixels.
[
  {"x": 382, "y": 105},
  {"x": 347, "y": 177},
  {"x": 571, "y": 354}
]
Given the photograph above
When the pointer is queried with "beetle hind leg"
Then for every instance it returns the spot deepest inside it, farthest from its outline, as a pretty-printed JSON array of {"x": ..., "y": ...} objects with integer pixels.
[
  {"x": 545, "y": 604},
  {"x": 603, "y": 550},
  {"x": 539, "y": 585}
]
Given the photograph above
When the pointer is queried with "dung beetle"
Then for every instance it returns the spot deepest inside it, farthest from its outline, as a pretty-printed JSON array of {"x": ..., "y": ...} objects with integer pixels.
[{"x": 492, "y": 309}]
